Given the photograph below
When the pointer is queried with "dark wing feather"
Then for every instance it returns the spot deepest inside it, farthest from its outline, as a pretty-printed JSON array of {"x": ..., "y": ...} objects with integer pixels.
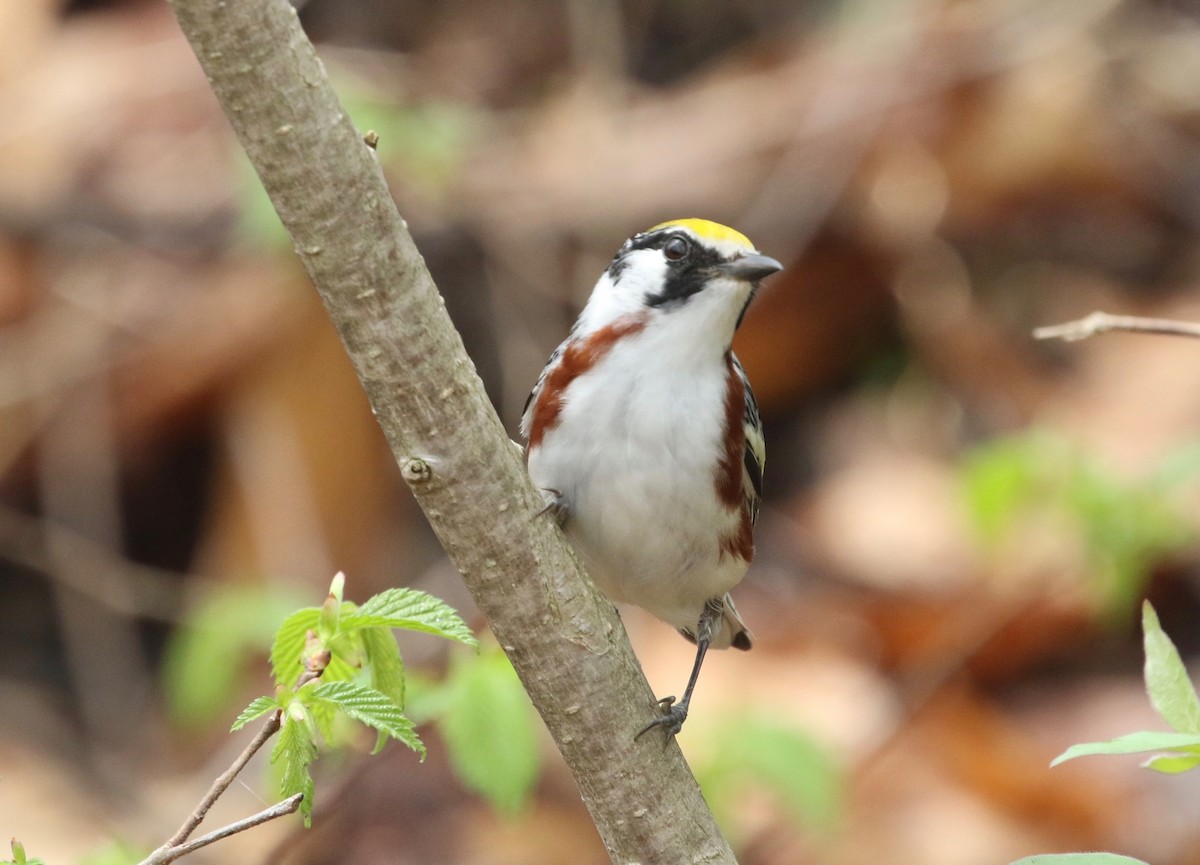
[{"x": 755, "y": 456}]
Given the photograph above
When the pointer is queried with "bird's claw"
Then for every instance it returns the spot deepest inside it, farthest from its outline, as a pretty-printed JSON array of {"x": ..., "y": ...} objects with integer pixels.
[
  {"x": 672, "y": 718},
  {"x": 556, "y": 506}
]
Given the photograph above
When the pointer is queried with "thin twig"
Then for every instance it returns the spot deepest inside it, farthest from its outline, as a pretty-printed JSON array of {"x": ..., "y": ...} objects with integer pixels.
[
  {"x": 219, "y": 786},
  {"x": 1101, "y": 322},
  {"x": 164, "y": 855}
]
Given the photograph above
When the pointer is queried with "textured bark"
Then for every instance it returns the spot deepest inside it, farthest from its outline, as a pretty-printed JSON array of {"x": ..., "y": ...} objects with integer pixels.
[{"x": 563, "y": 638}]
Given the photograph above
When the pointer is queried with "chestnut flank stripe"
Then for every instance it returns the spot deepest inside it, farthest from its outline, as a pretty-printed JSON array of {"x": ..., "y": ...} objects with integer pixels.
[
  {"x": 577, "y": 358},
  {"x": 729, "y": 469}
]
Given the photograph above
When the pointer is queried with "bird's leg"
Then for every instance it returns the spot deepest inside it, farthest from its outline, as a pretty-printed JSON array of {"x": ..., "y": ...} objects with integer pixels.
[
  {"x": 674, "y": 714},
  {"x": 556, "y": 506}
]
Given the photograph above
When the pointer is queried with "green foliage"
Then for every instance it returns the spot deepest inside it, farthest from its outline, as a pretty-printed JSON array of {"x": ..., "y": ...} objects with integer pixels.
[
  {"x": 18, "y": 852},
  {"x": 372, "y": 708},
  {"x": 758, "y": 752},
  {"x": 329, "y": 647},
  {"x": 490, "y": 729},
  {"x": 287, "y": 652},
  {"x": 386, "y": 669},
  {"x": 425, "y": 143},
  {"x": 1167, "y": 681},
  {"x": 1079, "y": 859},
  {"x": 205, "y": 658},
  {"x": 1134, "y": 743},
  {"x": 258, "y": 707},
  {"x": 413, "y": 611},
  {"x": 294, "y": 751},
  {"x": 1172, "y": 695},
  {"x": 1041, "y": 479},
  {"x": 258, "y": 223},
  {"x": 114, "y": 853}
]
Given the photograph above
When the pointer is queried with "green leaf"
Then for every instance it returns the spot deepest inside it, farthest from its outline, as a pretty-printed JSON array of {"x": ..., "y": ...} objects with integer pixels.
[
  {"x": 258, "y": 707},
  {"x": 1172, "y": 764},
  {"x": 372, "y": 708},
  {"x": 386, "y": 668},
  {"x": 288, "y": 649},
  {"x": 1078, "y": 859},
  {"x": 296, "y": 748},
  {"x": 999, "y": 481},
  {"x": 1178, "y": 467},
  {"x": 331, "y": 610},
  {"x": 384, "y": 664},
  {"x": 337, "y": 587},
  {"x": 339, "y": 669},
  {"x": 412, "y": 610},
  {"x": 18, "y": 858},
  {"x": 1133, "y": 743},
  {"x": 760, "y": 752},
  {"x": 258, "y": 223},
  {"x": 1041, "y": 482},
  {"x": 18, "y": 851},
  {"x": 1167, "y": 682},
  {"x": 118, "y": 852},
  {"x": 207, "y": 656},
  {"x": 344, "y": 664},
  {"x": 490, "y": 730}
]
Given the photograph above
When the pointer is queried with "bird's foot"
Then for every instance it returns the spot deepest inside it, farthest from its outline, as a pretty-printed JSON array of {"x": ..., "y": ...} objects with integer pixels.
[
  {"x": 556, "y": 506},
  {"x": 672, "y": 718}
]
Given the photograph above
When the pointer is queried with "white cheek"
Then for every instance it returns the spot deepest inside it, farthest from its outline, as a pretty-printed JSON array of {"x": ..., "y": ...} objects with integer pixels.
[{"x": 644, "y": 271}]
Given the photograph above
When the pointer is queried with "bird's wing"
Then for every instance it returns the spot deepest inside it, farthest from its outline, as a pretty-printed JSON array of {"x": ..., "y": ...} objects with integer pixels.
[{"x": 755, "y": 456}]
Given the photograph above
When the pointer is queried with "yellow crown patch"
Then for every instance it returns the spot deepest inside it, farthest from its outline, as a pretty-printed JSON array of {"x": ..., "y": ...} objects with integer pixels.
[{"x": 708, "y": 229}]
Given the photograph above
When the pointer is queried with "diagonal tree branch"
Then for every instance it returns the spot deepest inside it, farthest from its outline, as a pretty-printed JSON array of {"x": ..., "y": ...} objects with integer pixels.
[{"x": 563, "y": 638}]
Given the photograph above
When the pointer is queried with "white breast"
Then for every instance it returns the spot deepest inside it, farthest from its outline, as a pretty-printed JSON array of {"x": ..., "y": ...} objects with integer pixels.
[{"x": 634, "y": 455}]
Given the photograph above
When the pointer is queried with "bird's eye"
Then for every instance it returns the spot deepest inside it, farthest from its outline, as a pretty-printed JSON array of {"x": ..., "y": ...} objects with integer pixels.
[{"x": 676, "y": 248}]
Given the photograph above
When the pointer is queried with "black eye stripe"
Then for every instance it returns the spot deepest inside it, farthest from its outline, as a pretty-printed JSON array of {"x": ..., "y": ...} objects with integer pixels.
[{"x": 686, "y": 277}]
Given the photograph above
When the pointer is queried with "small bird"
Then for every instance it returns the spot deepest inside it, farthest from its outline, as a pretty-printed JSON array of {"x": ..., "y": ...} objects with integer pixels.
[{"x": 645, "y": 438}]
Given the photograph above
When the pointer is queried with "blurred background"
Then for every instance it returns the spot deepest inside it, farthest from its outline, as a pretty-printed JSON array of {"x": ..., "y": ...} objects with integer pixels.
[{"x": 960, "y": 522}]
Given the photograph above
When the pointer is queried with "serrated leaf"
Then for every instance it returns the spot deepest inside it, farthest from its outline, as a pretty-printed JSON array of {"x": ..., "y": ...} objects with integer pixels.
[
  {"x": 1078, "y": 859},
  {"x": 372, "y": 708},
  {"x": 490, "y": 730},
  {"x": 296, "y": 748},
  {"x": 386, "y": 669},
  {"x": 1167, "y": 682},
  {"x": 323, "y": 714},
  {"x": 1172, "y": 764},
  {"x": 288, "y": 648},
  {"x": 1133, "y": 743},
  {"x": 258, "y": 707},
  {"x": 384, "y": 664},
  {"x": 412, "y": 610}
]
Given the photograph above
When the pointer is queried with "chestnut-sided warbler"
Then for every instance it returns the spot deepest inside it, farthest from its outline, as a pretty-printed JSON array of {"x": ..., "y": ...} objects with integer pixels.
[{"x": 645, "y": 437}]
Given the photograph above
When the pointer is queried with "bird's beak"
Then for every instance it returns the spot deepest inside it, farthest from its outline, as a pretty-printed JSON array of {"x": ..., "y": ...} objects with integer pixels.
[{"x": 750, "y": 267}]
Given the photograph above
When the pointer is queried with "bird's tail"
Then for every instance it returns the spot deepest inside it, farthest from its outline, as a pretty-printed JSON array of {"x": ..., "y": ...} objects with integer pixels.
[{"x": 733, "y": 631}]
